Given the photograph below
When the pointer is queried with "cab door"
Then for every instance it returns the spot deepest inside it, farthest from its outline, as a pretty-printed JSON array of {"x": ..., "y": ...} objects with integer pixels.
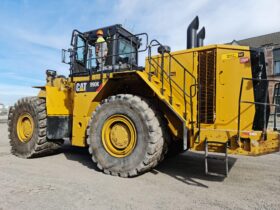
[{"x": 80, "y": 55}]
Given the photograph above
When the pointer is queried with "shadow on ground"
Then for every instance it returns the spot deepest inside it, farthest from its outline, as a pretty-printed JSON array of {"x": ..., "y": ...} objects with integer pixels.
[
  {"x": 190, "y": 165},
  {"x": 185, "y": 167},
  {"x": 79, "y": 154}
]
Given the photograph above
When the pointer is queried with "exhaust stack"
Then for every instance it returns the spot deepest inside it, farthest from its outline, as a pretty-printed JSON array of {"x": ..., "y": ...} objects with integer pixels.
[
  {"x": 191, "y": 33},
  {"x": 200, "y": 37}
]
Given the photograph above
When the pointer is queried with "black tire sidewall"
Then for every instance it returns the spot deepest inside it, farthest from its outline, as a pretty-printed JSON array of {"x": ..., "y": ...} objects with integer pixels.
[
  {"x": 137, "y": 156},
  {"x": 20, "y": 148}
]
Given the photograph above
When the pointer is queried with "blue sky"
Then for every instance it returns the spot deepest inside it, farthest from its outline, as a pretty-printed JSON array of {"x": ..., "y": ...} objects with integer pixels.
[{"x": 33, "y": 32}]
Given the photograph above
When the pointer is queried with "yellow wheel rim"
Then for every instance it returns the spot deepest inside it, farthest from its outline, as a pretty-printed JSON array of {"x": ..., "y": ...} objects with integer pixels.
[
  {"x": 25, "y": 127},
  {"x": 119, "y": 136}
]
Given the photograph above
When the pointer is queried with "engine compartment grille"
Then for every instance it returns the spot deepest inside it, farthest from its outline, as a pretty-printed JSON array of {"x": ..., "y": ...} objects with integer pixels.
[{"x": 207, "y": 83}]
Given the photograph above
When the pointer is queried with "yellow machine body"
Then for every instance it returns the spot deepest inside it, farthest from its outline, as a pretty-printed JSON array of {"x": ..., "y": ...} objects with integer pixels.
[{"x": 176, "y": 94}]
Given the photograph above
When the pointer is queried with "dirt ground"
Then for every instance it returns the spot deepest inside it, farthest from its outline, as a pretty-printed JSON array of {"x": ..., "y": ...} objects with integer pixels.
[{"x": 69, "y": 180}]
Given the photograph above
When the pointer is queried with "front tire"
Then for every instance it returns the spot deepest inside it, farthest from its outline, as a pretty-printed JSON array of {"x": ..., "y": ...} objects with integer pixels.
[
  {"x": 125, "y": 136},
  {"x": 27, "y": 125}
]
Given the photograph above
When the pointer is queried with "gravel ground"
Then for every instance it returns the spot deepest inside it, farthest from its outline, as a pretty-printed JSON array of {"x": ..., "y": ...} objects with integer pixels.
[{"x": 69, "y": 180}]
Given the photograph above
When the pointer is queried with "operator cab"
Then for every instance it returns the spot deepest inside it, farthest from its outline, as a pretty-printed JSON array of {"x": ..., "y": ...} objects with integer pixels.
[{"x": 122, "y": 54}]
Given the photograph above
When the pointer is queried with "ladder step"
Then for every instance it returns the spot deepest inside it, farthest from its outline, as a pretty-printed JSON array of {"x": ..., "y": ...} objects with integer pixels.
[
  {"x": 215, "y": 174},
  {"x": 220, "y": 158},
  {"x": 216, "y": 158}
]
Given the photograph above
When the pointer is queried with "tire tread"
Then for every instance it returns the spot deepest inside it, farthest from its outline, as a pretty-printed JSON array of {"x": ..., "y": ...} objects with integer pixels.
[
  {"x": 42, "y": 145},
  {"x": 156, "y": 144}
]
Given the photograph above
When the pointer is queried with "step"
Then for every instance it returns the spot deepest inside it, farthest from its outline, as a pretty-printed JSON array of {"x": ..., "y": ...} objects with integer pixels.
[{"x": 220, "y": 158}]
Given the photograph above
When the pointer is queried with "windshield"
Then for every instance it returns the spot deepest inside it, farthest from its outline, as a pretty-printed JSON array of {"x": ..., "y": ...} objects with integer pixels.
[{"x": 126, "y": 52}]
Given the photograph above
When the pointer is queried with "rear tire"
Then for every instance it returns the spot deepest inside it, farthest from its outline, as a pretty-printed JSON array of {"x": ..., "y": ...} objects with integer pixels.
[
  {"x": 149, "y": 147},
  {"x": 27, "y": 125}
]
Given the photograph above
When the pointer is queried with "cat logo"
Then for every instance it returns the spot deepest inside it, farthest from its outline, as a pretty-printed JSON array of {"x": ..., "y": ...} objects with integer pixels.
[
  {"x": 81, "y": 87},
  {"x": 89, "y": 86}
]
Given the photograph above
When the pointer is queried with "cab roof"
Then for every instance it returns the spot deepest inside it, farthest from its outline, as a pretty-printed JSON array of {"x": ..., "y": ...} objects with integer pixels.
[{"x": 109, "y": 31}]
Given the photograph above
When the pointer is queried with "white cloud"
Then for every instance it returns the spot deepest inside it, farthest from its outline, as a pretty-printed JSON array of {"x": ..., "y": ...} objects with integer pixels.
[
  {"x": 240, "y": 20},
  {"x": 224, "y": 20}
]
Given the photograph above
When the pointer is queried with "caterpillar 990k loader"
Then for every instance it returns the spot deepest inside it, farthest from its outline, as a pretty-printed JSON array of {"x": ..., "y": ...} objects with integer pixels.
[{"x": 204, "y": 98}]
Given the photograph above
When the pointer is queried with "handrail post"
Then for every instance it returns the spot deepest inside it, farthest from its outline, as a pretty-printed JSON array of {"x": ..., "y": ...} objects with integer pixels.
[
  {"x": 130, "y": 54},
  {"x": 239, "y": 104},
  {"x": 198, "y": 113},
  {"x": 149, "y": 60},
  {"x": 161, "y": 73},
  {"x": 273, "y": 101},
  {"x": 170, "y": 85},
  {"x": 265, "y": 110},
  {"x": 275, "y": 107},
  {"x": 185, "y": 101},
  {"x": 191, "y": 104}
]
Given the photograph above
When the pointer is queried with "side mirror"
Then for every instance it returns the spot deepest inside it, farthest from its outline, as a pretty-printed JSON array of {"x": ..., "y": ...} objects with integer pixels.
[
  {"x": 51, "y": 73},
  {"x": 63, "y": 56}
]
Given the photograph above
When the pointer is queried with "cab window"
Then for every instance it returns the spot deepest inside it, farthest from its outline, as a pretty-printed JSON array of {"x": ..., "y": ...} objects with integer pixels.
[
  {"x": 81, "y": 45},
  {"x": 126, "y": 52}
]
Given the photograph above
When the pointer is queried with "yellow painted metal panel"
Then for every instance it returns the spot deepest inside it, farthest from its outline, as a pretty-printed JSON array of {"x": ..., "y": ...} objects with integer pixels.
[
  {"x": 79, "y": 127},
  {"x": 84, "y": 105},
  {"x": 253, "y": 145},
  {"x": 58, "y": 101},
  {"x": 229, "y": 73}
]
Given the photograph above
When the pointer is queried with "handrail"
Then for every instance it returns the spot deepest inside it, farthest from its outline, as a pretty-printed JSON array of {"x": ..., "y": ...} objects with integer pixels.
[
  {"x": 198, "y": 110},
  {"x": 170, "y": 83},
  {"x": 276, "y": 86},
  {"x": 169, "y": 77},
  {"x": 176, "y": 84},
  {"x": 155, "y": 42},
  {"x": 75, "y": 31},
  {"x": 253, "y": 102},
  {"x": 172, "y": 56}
]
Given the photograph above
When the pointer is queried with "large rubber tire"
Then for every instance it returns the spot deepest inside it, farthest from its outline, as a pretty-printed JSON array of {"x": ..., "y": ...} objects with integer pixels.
[
  {"x": 149, "y": 148},
  {"x": 38, "y": 145}
]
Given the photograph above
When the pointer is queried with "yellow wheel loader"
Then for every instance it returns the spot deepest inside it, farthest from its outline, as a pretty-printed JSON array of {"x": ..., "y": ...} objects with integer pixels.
[{"x": 204, "y": 98}]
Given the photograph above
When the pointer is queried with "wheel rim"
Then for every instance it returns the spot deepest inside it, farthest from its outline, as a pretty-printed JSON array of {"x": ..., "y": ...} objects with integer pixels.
[
  {"x": 25, "y": 127},
  {"x": 119, "y": 136}
]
